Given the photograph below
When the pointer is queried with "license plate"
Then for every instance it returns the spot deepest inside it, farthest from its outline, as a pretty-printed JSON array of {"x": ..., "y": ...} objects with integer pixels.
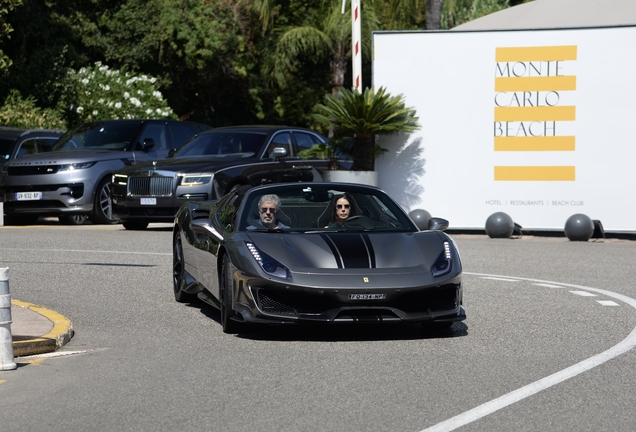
[
  {"x": 148, "y": 201},
  {"x": 367, "y": 296},
  {"x": 28, "y": 196}
]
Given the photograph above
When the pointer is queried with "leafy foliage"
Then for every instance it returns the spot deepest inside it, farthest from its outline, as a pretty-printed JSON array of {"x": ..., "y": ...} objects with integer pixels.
[
  {"x": 24, "y": 113},
  {"x": 364, "y": 115},
  {"x": 5, "y": 28},
  {"x": 456, "y": 12},
  {"x": 98, "y": 92}
]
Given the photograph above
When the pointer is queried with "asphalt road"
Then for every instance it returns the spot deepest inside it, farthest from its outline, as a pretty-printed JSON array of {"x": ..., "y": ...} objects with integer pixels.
[{"x": 546, "y": 346}]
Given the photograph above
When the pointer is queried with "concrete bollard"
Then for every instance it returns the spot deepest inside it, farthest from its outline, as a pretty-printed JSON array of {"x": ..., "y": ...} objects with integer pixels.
[
  {"x": 1, "y": 213},
  {"x": 6, "y": 340}
]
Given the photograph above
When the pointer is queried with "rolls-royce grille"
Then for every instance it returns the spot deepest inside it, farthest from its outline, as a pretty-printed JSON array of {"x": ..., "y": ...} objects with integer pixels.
[{"x": 150, "y": 186}]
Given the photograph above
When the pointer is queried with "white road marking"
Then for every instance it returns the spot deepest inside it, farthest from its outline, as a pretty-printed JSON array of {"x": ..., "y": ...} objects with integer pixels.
[
  {"x": 53, "y": 354},
  {"x": 584, "y": 293},
  {"x": 607, "y": 303},
  {"x": 516, "y": 395},
  {"x": 91, "y": 251},
  {"x": 500, "y": 279},
  {"x": 548, "y": 285}
]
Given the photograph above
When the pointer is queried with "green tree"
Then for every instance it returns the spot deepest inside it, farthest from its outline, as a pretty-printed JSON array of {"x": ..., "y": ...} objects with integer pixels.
[
  {"x": 5, "y": 28},
  {"x": 362, "y": 116},
  {"x": 456, "y": 12},
  {"x": 24, "y": 113},
  {"x": 326, "y": 33}
]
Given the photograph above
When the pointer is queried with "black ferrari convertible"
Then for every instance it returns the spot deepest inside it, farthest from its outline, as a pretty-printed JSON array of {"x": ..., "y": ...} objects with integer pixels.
[{"x": 275, "y": 254}]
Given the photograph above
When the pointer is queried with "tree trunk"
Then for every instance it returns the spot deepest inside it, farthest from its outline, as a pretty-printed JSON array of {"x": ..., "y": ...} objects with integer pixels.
[
  {"x": 433, "y": 14},
  {"x": 362, "y": 154}
]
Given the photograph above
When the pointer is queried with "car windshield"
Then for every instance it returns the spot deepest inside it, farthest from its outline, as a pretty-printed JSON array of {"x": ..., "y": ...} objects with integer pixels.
[
  {"x": 223, "y": 144},
  {"x": 108, "y": 136},
  {"x": 320, "y": 208}
]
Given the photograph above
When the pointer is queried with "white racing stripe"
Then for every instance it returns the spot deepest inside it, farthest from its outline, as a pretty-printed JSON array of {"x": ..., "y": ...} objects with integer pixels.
[{"x": 515, "y": 396}]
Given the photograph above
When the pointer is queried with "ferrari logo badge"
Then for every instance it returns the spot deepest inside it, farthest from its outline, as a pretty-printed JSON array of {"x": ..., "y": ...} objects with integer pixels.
[{"x": 366, "y": 279}]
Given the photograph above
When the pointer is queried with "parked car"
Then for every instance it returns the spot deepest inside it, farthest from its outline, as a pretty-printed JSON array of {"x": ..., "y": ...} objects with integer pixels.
[
  {"x": 376, "y": 266},
  {"x": 209, "y": 166},
  {"x": 74, "y": 177},
  {"x": 16, "y": 143}
]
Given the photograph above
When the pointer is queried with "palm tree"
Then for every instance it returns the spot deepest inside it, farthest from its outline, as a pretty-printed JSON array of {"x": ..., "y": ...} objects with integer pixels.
[
  {"x": 363, "y": 116},
  {"x": 324, "y": 34}
]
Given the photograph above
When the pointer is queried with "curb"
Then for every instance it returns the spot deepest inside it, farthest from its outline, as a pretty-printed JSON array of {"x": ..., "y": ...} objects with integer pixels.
[{"x": 61, "y": 333}]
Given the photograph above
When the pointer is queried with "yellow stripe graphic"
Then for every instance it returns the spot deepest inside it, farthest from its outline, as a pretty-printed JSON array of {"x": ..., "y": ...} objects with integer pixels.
[
  {"x": 539, "y": 143},
  {"x": 535, "y": 113},
  {"x": 542, "y": 53},
  {"x": 554, "y": 83},
  {"x": 534, "y": 173}
]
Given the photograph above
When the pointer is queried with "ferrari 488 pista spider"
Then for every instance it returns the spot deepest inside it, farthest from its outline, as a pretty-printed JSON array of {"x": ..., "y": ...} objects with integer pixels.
[{"x": 315, "y": 253}]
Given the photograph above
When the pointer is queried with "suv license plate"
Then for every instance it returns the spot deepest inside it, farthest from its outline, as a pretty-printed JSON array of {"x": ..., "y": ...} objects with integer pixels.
[
  {"x": 28, "y": 196},
  {"x": 367, "y": 296},
  {"x": 148, "y": 201}
]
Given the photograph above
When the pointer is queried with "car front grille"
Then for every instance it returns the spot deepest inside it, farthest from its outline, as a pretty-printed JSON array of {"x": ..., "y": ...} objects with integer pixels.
[
  {"x": 307, "y": 303},
  {"x": 32, "y": 170},
  {"x": 156, "y": 186}
]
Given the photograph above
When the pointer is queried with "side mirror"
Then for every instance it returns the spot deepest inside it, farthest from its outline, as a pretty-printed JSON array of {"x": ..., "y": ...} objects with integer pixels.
[
  {"x": 148, "y": 144},
  {"x": 437, "y": 224},
  {"x": 279, "y": 152},
  {"x": 172, "y": 152}
]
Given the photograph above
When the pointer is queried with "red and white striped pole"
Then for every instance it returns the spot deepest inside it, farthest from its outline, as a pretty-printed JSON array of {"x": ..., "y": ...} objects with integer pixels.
[{"x": 356, "y": 45}]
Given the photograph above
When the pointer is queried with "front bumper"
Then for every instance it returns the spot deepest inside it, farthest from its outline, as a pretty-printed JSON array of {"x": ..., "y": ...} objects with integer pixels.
[{"x": 260, "y": 303}]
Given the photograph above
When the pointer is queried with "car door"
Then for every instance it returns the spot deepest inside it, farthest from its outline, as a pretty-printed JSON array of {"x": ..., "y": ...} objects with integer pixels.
[
  {"x": 286, "y": 168},
  {"x": 303, "y": 141}
]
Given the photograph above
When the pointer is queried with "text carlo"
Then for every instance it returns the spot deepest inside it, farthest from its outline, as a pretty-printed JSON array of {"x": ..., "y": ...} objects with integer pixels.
[{"x": 527, "y": 98}]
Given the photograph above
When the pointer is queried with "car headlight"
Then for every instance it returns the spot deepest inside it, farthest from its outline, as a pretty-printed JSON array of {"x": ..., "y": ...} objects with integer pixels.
[
  {"x": 75, "y": 166},
  {"x": 121, "y": 179},
  {"x": 267, "y": 263},
  {"x": 195, "y": 179},
  {"x": 444, "y": 264}
]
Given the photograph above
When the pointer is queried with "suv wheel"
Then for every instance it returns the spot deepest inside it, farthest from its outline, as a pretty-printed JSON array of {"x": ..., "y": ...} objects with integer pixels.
[
  {"x": 77, "y": 219},
  {"x": 103, "y": 207}
]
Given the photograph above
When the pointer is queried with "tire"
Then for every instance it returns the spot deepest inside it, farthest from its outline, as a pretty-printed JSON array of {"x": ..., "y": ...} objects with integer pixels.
[
  {"x": 103, "y": 206},
  {"x": 135, "y": 225},
  {"x": 229, "y": 326},
  {"x": 77, "y": 219},
  {"x": 178, "y": 272}
]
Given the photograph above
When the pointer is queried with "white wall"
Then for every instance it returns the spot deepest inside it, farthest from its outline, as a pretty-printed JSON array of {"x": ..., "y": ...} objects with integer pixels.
[{"x": 569, "y": 148}]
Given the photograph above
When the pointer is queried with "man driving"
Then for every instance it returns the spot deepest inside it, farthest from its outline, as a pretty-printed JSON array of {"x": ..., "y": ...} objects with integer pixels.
[{"x": 268, "y": 206}]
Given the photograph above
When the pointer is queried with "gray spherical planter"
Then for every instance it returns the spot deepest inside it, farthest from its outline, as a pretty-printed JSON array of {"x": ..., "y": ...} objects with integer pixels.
[
  {"x": 579, "y": 227},
  {"x": 499, "y": 225}
]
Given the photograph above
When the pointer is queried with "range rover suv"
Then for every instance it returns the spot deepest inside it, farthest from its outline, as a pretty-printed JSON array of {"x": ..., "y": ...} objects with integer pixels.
[{"x": 74, "y": 177}]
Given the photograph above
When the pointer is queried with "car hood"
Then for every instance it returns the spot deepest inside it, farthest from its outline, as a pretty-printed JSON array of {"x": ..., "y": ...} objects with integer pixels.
[
  {"x": 325, "y": 252},
  {"x": 71, "y": 156},
  {"x": 188, "y": 165}
]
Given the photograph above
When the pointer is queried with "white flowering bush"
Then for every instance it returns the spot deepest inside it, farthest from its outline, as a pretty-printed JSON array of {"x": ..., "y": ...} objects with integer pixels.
[{"x": 101, "y": 93}]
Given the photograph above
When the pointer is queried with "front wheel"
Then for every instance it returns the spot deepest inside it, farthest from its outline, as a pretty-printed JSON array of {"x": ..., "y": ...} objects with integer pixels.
[
  {"x": 103, "y": 206},
  {"x": 229, "y": 326}
]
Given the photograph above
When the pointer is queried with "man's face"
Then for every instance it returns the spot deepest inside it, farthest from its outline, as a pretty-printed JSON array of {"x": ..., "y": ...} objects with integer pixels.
[{"x": 268, "y": 212}]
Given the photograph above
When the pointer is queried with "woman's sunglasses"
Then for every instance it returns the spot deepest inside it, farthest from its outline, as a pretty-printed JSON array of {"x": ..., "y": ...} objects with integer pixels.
[{"x": 340, "y": 206}]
